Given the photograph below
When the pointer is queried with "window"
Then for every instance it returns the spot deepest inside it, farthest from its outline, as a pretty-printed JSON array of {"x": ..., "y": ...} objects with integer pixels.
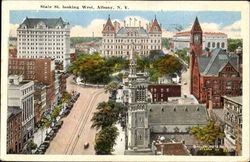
[
  {"x": 208, "y": 44},
  {"x": 213, "y": 45},
  {"x": 222, "y": 45},
  {"x": 218, "y": 45}
]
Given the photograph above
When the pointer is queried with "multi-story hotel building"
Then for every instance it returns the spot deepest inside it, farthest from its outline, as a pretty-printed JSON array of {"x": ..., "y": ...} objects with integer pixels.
[
  {"x": 117, "y": 40},
  {"x": 21, "y": 94},
  {"x": 44, "y": 38},
  {"x": 211, "y": 40}
]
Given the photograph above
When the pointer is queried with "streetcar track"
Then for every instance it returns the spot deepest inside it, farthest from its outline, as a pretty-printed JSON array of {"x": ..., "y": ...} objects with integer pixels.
[
  {"x": 78, "y": 127},
  {"x": 84, "y": 122}
]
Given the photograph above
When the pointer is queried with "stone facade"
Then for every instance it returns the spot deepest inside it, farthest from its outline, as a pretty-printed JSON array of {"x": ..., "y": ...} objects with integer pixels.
[
  {"x": 44, "y": 38},
  {"x": 21, "y": 93},
  {"x": 117, "y": 40},
  {"x": 233, "y": 123},
  {"x": 211, "y": 40},
  {"x": 212, "y": 74}
]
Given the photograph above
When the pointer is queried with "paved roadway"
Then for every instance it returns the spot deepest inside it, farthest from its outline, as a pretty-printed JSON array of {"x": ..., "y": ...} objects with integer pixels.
[{"x": 76, "y": 129}]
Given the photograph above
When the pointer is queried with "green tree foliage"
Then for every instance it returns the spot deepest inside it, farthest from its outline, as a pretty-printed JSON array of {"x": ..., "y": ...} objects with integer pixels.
[
  {"x": 183, "y": 55},
  {"x": 46, "y": 122},
  {"x": 112, "y": 86},
  {"x": 31, "y": 146},
  {"x": 92, "y": 68},
  {"x": 208, "y": 134},
  {"x": 108, "y": 114},
  {"x": 66, "y": 97},
  {"x": 117, "y": 63},
  {"x": 143, "y": 63},
  {"x": 167, "y": 65},
  {"x": 56, "y": 111},
  {"x": 165, "y": 42},
  {"x": 154, "y": 53},
  {"x": 233, "y": 44},
  {"x": 105, "y": 140}
]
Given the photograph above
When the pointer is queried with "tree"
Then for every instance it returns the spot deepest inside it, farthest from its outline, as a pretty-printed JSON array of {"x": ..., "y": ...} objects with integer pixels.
[
  {"x": 167, "y": 65},
  {"x": 108, "y": 114},
  {"x": 143, "y": 63},
  {"x": 31, "y": 146},
  {"x": 105, "y": 140},
  {"x": 92, "y": 68},
  {"x": 112, "y": 86},
  {"x": 208, "y": 134},
  {"x": 233, "y": 44}
]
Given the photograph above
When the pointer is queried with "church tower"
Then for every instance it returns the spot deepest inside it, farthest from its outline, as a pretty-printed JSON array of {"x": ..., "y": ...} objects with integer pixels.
[
  {"x": 195, "y": 51},
  {"x": 137, "y": 122}
]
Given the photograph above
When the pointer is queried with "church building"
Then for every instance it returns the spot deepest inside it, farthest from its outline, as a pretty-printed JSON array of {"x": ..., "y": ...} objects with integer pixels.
[{"x": 213, "y": 73}]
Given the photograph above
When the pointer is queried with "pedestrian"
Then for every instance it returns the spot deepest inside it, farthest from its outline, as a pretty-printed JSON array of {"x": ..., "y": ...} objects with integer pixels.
[
  {"x": 78, "y": 136},
  {"x": 121, "y": 139}
]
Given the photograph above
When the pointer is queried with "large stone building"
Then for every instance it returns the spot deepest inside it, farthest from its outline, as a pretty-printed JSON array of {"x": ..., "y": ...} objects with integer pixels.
[
  {"x": 14, "y": 130},
  {"x": 145, "y": 119},
  {"x": 44, "y": 38},
  {"x": 213, "y": 74},
  {"x": 211, "y": 40},
  {"x": 117, "y": 40},
  {"x": 21, "y": 94},
  {"x": 233, "y": 123}
]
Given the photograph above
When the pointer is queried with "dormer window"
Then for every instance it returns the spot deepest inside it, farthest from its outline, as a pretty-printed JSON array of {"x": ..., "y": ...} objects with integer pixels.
[{"x": 24, "y": 26}]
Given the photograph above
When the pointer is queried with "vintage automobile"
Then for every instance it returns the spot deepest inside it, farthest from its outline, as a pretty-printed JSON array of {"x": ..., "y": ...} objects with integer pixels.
[{"x": 86, "y": 145}]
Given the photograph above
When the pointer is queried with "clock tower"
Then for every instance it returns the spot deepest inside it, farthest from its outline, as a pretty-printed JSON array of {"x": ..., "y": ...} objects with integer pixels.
[
  {"x": 196, "y": 38},
  {"x": 195, "y": 51}
]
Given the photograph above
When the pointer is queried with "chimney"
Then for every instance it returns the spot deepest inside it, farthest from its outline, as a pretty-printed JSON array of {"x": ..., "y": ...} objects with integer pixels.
[{"x": 124, "y": 23}]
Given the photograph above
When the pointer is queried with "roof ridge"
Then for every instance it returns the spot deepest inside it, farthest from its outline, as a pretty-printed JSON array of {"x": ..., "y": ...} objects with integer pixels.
[{"x": 210, "y": 63}]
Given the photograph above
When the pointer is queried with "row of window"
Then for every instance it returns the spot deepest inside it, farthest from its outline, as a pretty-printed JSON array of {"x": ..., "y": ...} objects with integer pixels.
[
  {"x": 41, "y": 32},
  {"x": 131, "y": 40},
  {"x": 218, "y": 45}
]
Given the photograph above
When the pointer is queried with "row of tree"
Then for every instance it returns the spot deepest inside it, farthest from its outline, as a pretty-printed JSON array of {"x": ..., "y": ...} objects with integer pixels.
[
  {"x": 97, "y": 70},
  {"x": 107, "y": 115}
]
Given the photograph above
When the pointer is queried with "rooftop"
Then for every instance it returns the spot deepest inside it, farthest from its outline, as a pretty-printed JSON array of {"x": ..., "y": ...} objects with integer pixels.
[
  {"x": 175, "y": 114},
  {"x": 188, "y": 33},
  {"x": 49, "y": 22},
  {"x": 172, "y": 149},
  {"x": 237, "y": 99},
  {"x": 212, "y": 65},
  {"x": 13, "y": 110}
]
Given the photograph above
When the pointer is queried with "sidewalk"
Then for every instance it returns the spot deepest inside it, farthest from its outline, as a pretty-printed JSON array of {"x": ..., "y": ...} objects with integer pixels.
[{"x": 119, "y": 148}]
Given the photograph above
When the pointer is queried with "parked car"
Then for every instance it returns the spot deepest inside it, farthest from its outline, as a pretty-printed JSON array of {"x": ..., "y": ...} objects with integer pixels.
[
  {"x": 86, "y": 145},
  {"x": 45, "y": 144},
  {"x": 59, "y": 124}
]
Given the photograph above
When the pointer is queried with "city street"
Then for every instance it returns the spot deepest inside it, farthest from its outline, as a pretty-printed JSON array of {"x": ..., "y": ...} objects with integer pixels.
[{"x": 76, "y": 129}]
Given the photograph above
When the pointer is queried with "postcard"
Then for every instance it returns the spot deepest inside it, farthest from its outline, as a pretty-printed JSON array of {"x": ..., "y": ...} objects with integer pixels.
[{"x": 125, "y": 81}]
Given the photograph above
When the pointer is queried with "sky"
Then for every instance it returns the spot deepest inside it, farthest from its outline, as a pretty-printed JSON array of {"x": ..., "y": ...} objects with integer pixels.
[{"x": 85, "y": 23}]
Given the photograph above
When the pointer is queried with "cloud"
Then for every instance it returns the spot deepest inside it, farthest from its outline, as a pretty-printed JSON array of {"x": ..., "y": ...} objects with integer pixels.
[
  {"x": 95, "y": 27},
  {"x": 232, "y": 31},
  {"x": 13, "y": 29}
]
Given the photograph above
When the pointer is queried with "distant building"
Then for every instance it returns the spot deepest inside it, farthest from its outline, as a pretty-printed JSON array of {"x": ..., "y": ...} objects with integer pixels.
[
  {"x": 212, "y": 74},
  {"x": 44, "y": 38},
  {"x": 13, "y": 41},
  {"x": 210, "y": 40},
  {"x": 21, "y": 94},
  {"x": 161, "y": 92},
  {"x": 233, "y": 123},
  {"x": 12, "y": 53},
  {"x": 117, "y": 40},
  {"x": 14, "y": 130}
]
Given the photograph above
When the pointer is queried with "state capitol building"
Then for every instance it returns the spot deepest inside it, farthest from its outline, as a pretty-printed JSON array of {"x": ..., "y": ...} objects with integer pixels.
[{"x": 117, "y": 39}]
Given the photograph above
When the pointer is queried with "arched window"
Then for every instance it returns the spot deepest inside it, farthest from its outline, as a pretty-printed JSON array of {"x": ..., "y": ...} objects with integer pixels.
[
  {"x": 208, "y": 44},
  {"x": 213, "y": 45},
  {"x": 218, "y": 45},
  {"x": 222, "y": 45}
]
